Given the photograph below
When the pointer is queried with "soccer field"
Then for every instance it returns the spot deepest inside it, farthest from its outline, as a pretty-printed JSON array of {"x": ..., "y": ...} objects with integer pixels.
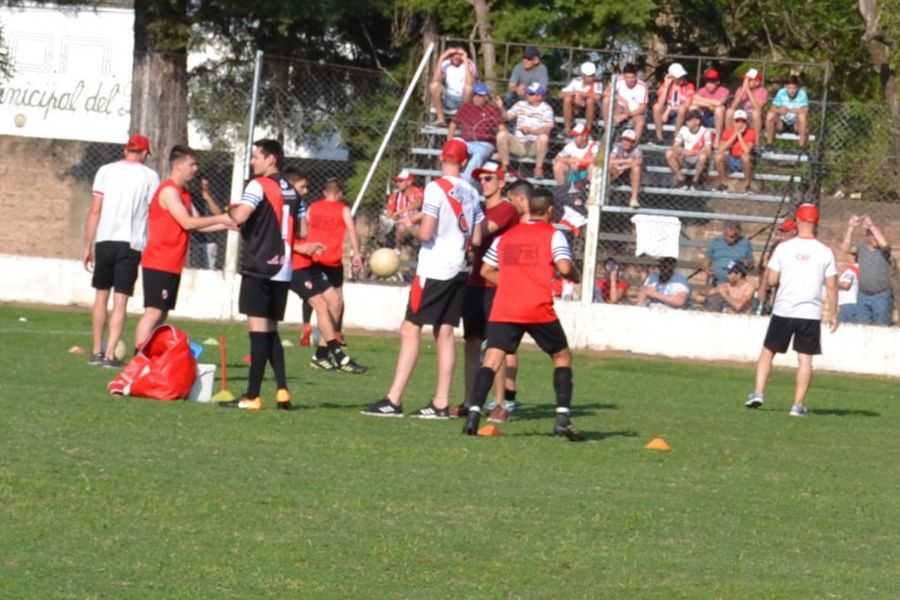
[{"x": 105, "y": 497}]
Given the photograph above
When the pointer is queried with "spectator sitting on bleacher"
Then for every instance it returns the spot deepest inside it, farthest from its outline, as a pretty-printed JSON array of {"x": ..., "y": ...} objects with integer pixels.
[
  {"x": 527, "y": 72},
  {"x": 734, "y": 295},
  {"x": 573, "y": 163},
  {"x": 665, "y": 289},
  {"x": 673, "y": 99},
  {"x": 631, "y": 98},
  {"x": 626, "y": 157},
  {"x": 534, "y": 122},
  {"x": 609, "y": 288},
  {"x": 725, "y": 249},
  {"x": 751, "y": 98},
  {"x": 405, "y": 201},
  {"x": 710, "y": 100},
  {"x": 584, "y": 93},
  {"x": 477, "y": 122},
  {"x": 693, "y": 145},
  {"x": 735, "y": 152},
  {"x": 451, "y": 83},
  {"x": 789, "y": 114},
  {"x": 848, "y": 289}
]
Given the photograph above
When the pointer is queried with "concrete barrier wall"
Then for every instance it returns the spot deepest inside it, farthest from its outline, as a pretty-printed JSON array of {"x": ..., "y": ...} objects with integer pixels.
[{"x": 677, "y": 334}]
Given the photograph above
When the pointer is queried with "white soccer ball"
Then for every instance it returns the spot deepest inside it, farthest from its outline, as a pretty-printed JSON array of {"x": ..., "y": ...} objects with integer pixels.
[
  {"x": 384, "y": 262},
  {"x": 120, "y": 349}
]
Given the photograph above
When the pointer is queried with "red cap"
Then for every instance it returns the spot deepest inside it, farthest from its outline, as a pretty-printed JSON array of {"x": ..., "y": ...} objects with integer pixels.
[
  {"x": 788, "y": 225},
  {"x": 807, "y": 213},
  {"x": 489, "y": 168},
  {"x": 138, "y": 143},
  {"x": 455, "y": 151},
  {"x": 711, "y": 75}
]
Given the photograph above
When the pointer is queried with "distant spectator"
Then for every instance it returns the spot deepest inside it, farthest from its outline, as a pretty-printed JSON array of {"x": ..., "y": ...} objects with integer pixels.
[
  {"x": 789, "y": 112},
  {"x": 573, "y": 163},
  {"x": 788, "y": 230},
  {"x": 751, "y": 98},
  {"x": 534, "y": 122},
  {"x": 405, "y": 201},
  {"x": 735, "y": 295},
  {"x": 665, "y": 289},
  {"x": 609, "y": 287},
  {"x": 673, "y": 99},
  {"x": 527, "y": 72},
  {"x": 711, "y": 100},
  {"x": 626, "y": 157},
  {"x": 693, "y": 145},
  {"x": 477, "y": 122},
  {"x": 848, "y": 290},
  {"x": 725, "y": 249},
  {"x": 735, "y": 152},
  {"x": 875, "y": 303},
  {"x": 583, "y": 94},
  {"x": 631, "y": 98},
  {"x": 451, "y": 83}
]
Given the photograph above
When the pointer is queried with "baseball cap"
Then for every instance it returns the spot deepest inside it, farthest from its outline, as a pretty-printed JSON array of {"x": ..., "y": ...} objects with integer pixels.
[
  {"x": 740, "y": 115},
  {"x": 531, "y": 52},
  {"x": 737, "y": 266},
  {"x": 488, "y": 168},
  {"x": 711, "y": 75},
  {"x": 676, "y": 70},
  {"x": 579, "y": 129},
  {"x": 404, "y": 175},
  {"x": 588, "y": 68},
  {"x": 629, "y": 134},
  {"x": 753, "y": 74},
  {"x": 455, "y": 151},
  {"x": 535, "y": 88},
  {"x": 138, "y": 143},
  {"x": 788, "y": 225},
  {"x": 807, "y": 213},
  {"x": 480, "y": 89}
]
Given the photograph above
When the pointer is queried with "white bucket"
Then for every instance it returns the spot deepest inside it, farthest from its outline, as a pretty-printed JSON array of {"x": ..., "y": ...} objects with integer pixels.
[{"x": 203, "y": 384}]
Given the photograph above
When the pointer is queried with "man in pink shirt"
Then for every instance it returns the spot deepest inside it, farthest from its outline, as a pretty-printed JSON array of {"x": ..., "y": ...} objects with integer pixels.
[
  {"x": 710, "y": 100},
  {"x": 751, "y": 98}
]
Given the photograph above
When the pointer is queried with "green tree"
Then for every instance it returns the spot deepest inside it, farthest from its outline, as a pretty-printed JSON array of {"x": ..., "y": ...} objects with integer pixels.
[{"x": 5, "y": 61}]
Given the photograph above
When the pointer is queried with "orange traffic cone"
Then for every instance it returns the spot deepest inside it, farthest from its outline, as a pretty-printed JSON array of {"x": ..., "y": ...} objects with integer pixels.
[
  {"x": 489, "y": 431},
  {"x": 658, "y": 443}
]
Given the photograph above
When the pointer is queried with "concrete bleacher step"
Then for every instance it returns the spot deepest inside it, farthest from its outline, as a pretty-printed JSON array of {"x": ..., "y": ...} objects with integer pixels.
[
  {"x": 707, "y": 194},
  {"x": 713, "y": 173},
  {"x": 788, "y": 157},
  {"x": 684, "y": 214},
  {"x": 778, "y": 136}
]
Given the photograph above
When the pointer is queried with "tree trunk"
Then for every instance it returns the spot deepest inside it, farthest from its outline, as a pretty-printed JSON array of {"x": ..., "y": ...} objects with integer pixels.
[
  {"x": 879, "y": 50},
  {"x": 482, "y": 20},
  {"x": 159, "y": 79}
]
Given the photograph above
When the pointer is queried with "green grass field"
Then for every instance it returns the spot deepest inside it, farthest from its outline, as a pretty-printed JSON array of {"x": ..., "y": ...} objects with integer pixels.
[{"x": 106, "y": 497}]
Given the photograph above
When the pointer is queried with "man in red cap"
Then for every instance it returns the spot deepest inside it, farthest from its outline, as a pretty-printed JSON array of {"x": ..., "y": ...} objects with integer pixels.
[
  {"x": 710, "y": 100},
  {"x": 800, "y": 266},
  {"x": 451, "y": 218},
  {"x": 115, "y": 236},
  {"x": 406, "y": 199}
]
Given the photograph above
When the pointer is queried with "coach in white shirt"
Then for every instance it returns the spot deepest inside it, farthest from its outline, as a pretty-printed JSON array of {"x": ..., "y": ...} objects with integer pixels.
[{"x": 799, "y": 266}]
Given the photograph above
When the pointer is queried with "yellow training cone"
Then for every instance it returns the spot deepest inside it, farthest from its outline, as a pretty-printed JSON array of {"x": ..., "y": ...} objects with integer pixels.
[{"x": 658, "y": 443}]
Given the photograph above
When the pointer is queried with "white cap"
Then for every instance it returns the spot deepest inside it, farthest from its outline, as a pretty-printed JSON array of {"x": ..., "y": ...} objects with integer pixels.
[
  {"x": 751, "y": 74},
  {"x": 676, "y": 70},
  {"x": 579, "y": 129},
  {"x": 740, "y": 114},
  {"x": 403, "y": 175},
  {"x": 629, "y": 134},
  {"x": 588, "y": 69}
]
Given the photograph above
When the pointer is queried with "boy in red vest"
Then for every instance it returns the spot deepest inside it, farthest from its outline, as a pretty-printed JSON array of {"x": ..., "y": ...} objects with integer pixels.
[
  {"x": 172, "y": 215},
  {"x": 521, "y": 264}
]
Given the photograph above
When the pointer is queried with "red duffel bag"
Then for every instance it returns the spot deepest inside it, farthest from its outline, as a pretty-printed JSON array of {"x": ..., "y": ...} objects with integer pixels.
[{"x": 164, "y": 368}]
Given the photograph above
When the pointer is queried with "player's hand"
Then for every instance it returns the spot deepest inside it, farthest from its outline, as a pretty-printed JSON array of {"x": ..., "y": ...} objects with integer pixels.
[
  {"x": 356, "y": 263},
  {"x": 310, "y": 248},
  {"x": 204, "y": 186},
  {"x": 833, "y": 323},
  {"x": 226, "y": 220},
  {"x": 87, "y": 259},
  {"x": 855, "y": 221}
]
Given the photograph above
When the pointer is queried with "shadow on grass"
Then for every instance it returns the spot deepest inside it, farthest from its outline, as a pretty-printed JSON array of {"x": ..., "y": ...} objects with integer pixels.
[
  {"x": 844, "y": 412},
  {"x": 593, "y": 436},
  {"x": 548, "y": 410}
]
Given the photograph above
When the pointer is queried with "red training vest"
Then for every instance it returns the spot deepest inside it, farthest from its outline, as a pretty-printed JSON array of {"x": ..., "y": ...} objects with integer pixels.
[
  {"x": 167, "y": 242},
  {"x": 525, "y": 287},
  {"x": 326, "y": 226}
]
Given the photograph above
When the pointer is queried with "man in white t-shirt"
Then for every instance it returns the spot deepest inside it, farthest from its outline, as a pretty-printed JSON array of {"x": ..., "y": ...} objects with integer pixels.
[
  {"x": 693, "y": 146},
  {"x": 800, "y": 266},
  {"x": 114, "y": 238},
  {"x": 534, "y": 122},
  {"x": 848, "y": 289},
  {"x": 583, "y": 94},
  {"x": 451, "y": 218},
  {"x": 631, "y": 98},
  {"x": 573, "y": 163},
  {"x": 451, "y": 82}
]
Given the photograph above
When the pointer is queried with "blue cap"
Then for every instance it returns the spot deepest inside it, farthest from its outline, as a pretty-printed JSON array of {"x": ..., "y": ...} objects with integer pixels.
[
  {"x": 535, "y": 88},
  {"x": 481, "y": 89}
]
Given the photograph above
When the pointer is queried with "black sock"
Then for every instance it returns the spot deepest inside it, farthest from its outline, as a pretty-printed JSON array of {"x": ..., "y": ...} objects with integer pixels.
[
  {"x": 562, "y": 385},
  {"x": 509, "y": 395},
  {"x": 335, "y": 349},
  {"x": 307, "y": 312},
  {"x": 484, "y": 379},
  {"x": 276, "y": 357},
  {"x": 259, "y": 355},
  {"x": 321, "y": 352}
]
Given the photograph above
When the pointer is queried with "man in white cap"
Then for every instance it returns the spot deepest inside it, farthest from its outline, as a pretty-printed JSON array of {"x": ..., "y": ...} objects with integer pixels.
[
  {"x": 800, "y": 267},
  {"x": 626, "y": 157},
  {"x": 585, "y": 94},
  {"x": 405, "y": 201},
  {"x": 735, "y": 151},
  {"x": 673, "y": 99},
  {"x": 751, "y": 98},
  {"x": 534, "y": 122},
  {"x": 573, "y": 163}
]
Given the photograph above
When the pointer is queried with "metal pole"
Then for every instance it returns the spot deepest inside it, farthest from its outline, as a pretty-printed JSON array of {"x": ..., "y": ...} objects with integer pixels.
[
  {"x": 390, "y": 132},
  {"x": 817, "y": 169},
  {"x": 254, "y": 104}
]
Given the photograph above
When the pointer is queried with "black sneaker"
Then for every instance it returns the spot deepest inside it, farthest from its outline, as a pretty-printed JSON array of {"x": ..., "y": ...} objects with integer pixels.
[
  {"x": 472, "y": 421},
  {"x": 113, "y": 363},
  {"x": 432, "y": 412},
  {"x": 685, "y": 186},
  {"x": 383, "y": 408},
  {"x": 564, "y": 428},
  {"x": 96, "y": 359},
  {"x": 323, "y": 363},
  {"x": 348, "y": 365}
]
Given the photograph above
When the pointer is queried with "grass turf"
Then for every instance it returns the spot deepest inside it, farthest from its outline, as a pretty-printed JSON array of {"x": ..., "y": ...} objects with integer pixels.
[{"x": 119, "y": 497}]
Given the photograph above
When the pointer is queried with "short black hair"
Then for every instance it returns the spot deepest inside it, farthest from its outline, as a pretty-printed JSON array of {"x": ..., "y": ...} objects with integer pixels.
[
  {"x": 540, "y": 201},
  {"x": 179, "y": 152},
  {"x": 272, "y": 148},
  {"x": 794, "y": 80},
  {"x": 293, "y": 175},
  {"x": 520, "y": 186},
  {"x": 667, "y": 262},
  {"x": 629, "y": 68}
]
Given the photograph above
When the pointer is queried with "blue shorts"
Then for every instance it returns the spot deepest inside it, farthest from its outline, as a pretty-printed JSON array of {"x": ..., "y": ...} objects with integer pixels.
[
  {"x": 451, "y": 102},
  {"x": 735, "y": 164},
  {"x": 707, "y": 118}
]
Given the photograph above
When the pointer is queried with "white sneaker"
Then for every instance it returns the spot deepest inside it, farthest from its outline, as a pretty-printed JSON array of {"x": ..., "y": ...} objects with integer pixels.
[
  {"x": 798, "y": 410},
  {"x": 755, "y": 400}
]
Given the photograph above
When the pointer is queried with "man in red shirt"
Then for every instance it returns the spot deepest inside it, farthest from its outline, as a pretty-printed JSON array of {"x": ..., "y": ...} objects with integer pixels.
[
  {"x": 735, "y": 151},
  {"x": 710, "y": 100},
  {"x": 609, "y": 288},
  {"x": 405, "y": 201},
  {"x": 172, "y": 215},
  {"x": 477, "y": 122},
  {"x": 521, "y": 264}
]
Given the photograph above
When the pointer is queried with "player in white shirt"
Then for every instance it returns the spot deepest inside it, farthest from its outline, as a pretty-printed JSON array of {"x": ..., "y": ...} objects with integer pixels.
[
  {"x": 573, "y": 162},
  {"x": 451, "y": 217},
  {"x": 117, "y": 222},
  {"x": 800, "y": 266},
  {"x": 693, "y": 145},
  {"x": 631, "y": 98}
]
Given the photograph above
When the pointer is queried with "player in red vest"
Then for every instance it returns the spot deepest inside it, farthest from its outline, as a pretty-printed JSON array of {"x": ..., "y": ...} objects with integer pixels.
[
  {"x": 172, "y": 216},
  {"x": 521, "y": 264}
]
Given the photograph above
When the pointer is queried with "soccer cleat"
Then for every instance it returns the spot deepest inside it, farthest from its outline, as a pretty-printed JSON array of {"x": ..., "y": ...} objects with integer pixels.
[
  {"x": 113, "y": 363},
  {"x": 564, "y": 428},
  {"x": 460, "y": 410},
  {"x": 243, "y": 403},
  {"x": 431, "y": 412},
  {"x": 472, "y": 421},
  {"x": 798, "y": 410},
  {"x": 383, "y": 408},
  {"x": 306, "y": 335},
  {"x": 755, "y": 400},
  {"x": 283, "y": 400},
  {"x": 348, "y": 365},
  {"x": 96, "y": 359},
  {"x": 499, "y": 415},
  {"x": 323, "y": 363}
]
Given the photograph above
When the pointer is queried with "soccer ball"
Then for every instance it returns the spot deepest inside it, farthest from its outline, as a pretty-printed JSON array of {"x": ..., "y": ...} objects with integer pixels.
[
  {"x": 120, "y": 349},
  {"x": 384, "y": 262}
]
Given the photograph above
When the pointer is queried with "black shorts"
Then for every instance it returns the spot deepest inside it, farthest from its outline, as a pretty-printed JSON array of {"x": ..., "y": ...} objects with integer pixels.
[
  {"x": 335, "y": 275},
  {"x": 115, "y": 266},
  {"x": 788, "y": 126},
  {"x": 476, "y": 308},
  {"x": 437, "y": 302},
  {"x": 309, "y": 282},
  {"x": 550, "y": 337},
  {"x": 160, "y": 288},
  {"x": 263, "y": 297},
  {"x": 806, "y": 334}
]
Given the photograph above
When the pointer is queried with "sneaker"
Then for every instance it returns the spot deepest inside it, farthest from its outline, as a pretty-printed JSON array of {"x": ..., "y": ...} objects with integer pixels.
[
  {"x": 490, "y": 405},
  {"x": 432, "y": 412},
  {"x": 96, "y": 359},
  {"x": 564, "y": 428},
  {"x": 633, "y": 203},
  {"x": 324, "y": 363},
  {"x": 283, "y": 400},
  {"x": 112, "y": 363},
  {"x": 768, "y": 148},
  {"x": 244, "y": 403},
  {"x": 798, "y": 410},
  {"x": 511, "y": 406},
  {"x": 348, "y": 365},
  {"x": 755, "y": 400},
  {"x": 472, "y": 421},
  {"x": 460, "y": 410},
  {"x": 685, "y": 186},
  {"x": 307, "y": 334},
  {"x": 499, "y": 415},
  {"x": 383, "y": 408}
]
